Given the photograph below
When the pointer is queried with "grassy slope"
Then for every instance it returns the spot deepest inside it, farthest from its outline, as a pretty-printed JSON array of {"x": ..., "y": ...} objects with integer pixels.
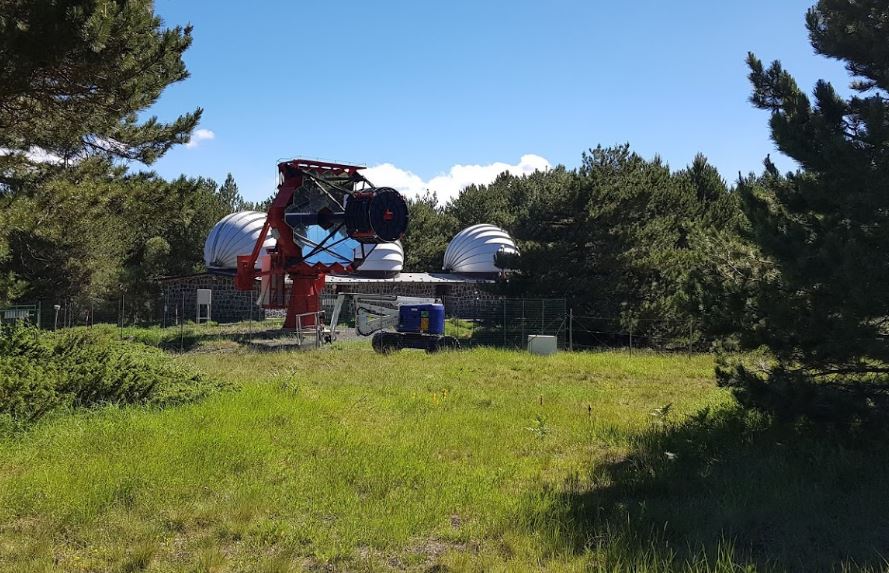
[
  {"x": 476, "y": 460},
  {"x": 334, "y": 455}
]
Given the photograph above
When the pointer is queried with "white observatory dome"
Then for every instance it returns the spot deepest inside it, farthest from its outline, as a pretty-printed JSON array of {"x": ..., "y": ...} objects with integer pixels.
[
  {"x": 234, "y": 235},
  {"x": 385, "y": 259},
  {"x": 473, "y": 249}
]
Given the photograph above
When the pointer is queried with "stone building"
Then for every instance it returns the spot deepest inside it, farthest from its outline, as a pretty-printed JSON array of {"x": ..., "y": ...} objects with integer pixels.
[
  {"x": 423, "y": 285},
  {"x": 231, "y": 305},
  {"x": 228, "y": 304},
  {"x": 469, "y": 263}
]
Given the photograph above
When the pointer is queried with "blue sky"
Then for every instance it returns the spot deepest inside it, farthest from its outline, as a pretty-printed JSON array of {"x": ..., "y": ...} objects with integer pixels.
[{"x": 424, "y": 91}]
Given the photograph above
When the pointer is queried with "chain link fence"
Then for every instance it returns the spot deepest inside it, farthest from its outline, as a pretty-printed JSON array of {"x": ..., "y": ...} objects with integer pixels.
[
  {"x": 475, "y": 321},
  {"x": 508, "y": 323},
  {"x": 588, "y": 332},
  {"x": 505, "y": 322}
]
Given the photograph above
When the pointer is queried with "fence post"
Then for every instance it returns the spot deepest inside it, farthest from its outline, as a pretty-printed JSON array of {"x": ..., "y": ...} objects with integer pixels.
[
  {"x": 523, "y": 319},
  {"x": 504, "y": 324},
  {"x": 571, "y": 329},
  {"x": 631, "y": 340},
  {"x": 299, "y": 330},
  {"x": 691, "y": 329},
  {"x": 542, "y": 316},
  {"x": 182, "y": 325}
]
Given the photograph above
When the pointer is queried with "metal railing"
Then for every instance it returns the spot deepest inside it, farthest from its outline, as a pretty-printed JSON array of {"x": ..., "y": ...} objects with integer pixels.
[
  {"x": 317, "y": 328},
  {"x": 22, "y": 313}
]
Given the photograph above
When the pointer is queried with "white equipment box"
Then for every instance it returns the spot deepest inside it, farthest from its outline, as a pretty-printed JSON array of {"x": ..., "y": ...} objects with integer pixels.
[{"x": 542, "y": 345}]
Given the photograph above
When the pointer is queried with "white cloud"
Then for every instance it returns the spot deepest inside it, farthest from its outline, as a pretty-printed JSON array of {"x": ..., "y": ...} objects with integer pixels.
[
  {"x": 198, "y": 136},
  {"x": 449, "y": 185},
  {"x": 34, "y": 154},
  {"x": 39, "y": 155}
]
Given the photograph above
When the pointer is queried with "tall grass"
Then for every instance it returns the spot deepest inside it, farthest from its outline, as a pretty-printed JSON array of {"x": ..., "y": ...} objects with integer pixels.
[{"x": 344, "y": 459}]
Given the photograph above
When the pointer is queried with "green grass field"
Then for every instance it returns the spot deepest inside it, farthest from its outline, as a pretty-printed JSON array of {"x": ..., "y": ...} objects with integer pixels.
[{"x": 342, "y": 459}]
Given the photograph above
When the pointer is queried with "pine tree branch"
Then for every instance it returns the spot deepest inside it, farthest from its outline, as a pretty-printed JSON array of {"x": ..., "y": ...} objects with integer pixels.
[{"x": 846, "y": 370}]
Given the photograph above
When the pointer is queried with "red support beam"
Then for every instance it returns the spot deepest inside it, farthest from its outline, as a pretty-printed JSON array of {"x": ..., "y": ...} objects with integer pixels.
[{"x": 286, "y": 259}]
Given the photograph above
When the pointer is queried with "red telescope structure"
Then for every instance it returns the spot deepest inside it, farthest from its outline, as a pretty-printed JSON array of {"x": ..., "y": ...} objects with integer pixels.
[{"x": 320, "y": 209}]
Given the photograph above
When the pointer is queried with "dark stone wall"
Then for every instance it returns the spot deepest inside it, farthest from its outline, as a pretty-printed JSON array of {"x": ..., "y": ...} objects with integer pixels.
[
  {"x": 228, "y": 304},
  {"x": 421, "y": 290},
  {"x": 231, "y": 305}
]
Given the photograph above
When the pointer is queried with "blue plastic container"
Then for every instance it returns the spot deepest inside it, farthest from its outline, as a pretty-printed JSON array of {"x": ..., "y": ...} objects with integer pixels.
[{"x": 424, "y": 318}]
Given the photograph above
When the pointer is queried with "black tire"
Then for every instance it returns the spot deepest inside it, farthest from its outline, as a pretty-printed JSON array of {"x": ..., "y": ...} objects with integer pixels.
[
  {"x": 384, "y": 342},
  {"x": 379, "y": 343},
  {"x": 443, "y": 344},
  {"x": 447, "y": 343}
]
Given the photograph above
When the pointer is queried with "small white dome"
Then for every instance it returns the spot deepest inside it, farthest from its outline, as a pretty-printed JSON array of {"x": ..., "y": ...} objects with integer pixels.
[
  {"x": 384, "y": 258},
  {"x": 473, "y": 249},
  {"x": 234, "y": 235}
]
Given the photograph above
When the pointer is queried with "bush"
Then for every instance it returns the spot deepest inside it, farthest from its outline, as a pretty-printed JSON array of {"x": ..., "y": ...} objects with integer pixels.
[{"x": 82, "y": 368}]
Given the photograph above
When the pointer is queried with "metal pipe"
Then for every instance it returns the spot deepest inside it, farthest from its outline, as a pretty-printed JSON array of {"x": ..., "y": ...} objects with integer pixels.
[{"x": 571, "y": 329}]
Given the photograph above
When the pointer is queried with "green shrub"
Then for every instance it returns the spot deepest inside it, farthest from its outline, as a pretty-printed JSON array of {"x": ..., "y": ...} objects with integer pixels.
[
  {"x": 81, "y": 368},
  {"x": 27, "y": 389}
]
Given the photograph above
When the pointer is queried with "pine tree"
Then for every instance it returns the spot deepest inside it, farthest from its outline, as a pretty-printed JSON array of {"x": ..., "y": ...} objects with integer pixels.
[
  {"x": 824, "y": 312},
  {"x": 230, "y": 196},
  {"x": 74, "y": 74},
  {"x": 428, "y": 234}
]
